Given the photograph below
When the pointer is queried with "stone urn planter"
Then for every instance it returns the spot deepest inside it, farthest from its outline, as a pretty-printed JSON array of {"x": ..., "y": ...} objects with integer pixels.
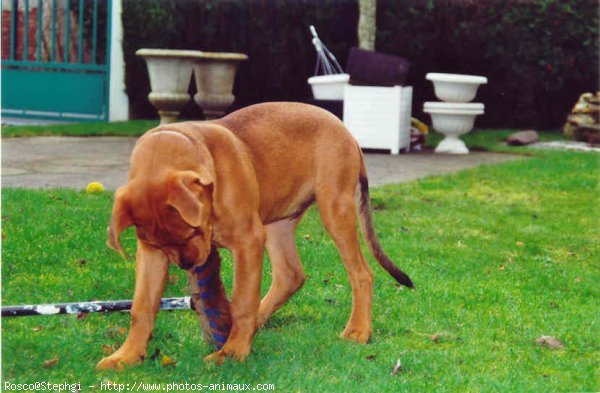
[
  {"x": 455, "y": 87},
  {"x": 453, "y": 120},
  {"x": 214, "y": 73},
  {"x": 455, "y": 115},
  {"x": 170, "y": 72}
]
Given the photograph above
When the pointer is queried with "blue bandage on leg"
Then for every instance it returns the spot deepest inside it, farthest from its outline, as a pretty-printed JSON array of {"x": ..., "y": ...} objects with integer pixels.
[
  {"x": 212, "y": 312},
  {"x": 202, "y": 282}
]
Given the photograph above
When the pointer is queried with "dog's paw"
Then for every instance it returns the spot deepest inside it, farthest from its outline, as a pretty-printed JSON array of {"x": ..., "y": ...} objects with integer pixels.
[
  {"x": 118, "y": 361},
  {"x": 361, "y": 336},
  {"x": 219, "y": 356}
]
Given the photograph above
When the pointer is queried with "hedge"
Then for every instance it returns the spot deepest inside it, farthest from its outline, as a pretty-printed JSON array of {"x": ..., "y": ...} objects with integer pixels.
[{"x": 538, "y": 55}]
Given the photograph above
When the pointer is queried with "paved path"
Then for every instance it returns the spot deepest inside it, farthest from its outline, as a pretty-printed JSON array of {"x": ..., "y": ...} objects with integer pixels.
[{"x": 71, "y": 162}]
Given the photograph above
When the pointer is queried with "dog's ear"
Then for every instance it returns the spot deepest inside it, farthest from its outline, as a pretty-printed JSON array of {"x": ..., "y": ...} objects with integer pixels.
[
  {"x": 119, "y": 220},
  {"x": 184, "y": 195}
]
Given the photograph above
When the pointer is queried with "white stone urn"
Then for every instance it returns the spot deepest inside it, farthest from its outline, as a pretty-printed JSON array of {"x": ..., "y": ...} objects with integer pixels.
[
  {"x": 214, "y": 73},
  {"x": 455, "y": 115},
  {"x": 453, "y": 120},
  {"x": 170, "y": 71},
  {"x": 455, "y": 87}
]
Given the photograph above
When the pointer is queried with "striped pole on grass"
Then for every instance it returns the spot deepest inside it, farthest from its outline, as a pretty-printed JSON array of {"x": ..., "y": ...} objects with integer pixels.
[{"x": 173, "y": 303}]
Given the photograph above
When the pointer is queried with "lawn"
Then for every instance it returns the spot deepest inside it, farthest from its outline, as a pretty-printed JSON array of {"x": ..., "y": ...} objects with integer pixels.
[
  {"x": 125, "y": 128},
  {"x": 500, "y": 255}
]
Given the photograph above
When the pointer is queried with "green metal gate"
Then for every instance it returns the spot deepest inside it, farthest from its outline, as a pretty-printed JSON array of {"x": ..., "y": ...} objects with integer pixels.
[{"x": 57, "y": 65}]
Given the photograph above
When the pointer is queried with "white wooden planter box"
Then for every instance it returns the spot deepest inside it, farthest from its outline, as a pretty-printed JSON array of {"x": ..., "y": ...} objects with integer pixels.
[{"x": 379, "y": 117}]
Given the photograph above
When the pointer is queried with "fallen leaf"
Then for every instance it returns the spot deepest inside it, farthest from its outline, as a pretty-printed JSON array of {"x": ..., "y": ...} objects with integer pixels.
[
  {"x": 579, "y": 279},
  {"x": 520, "y": 244},
  {"x": 397, "y": 368},
  {"x": 37, "y": 328},
  {"x": 108, "y": 349},
  {"x": 166, "y": 360},
  {"x": 502, "y": 267},
  {"x": 116, "y": 332},
  {"x": 51, "y": 363},
  {"x": 549, "y": 342}
]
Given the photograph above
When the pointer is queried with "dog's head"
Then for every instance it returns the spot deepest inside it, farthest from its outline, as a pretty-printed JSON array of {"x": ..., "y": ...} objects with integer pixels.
[{"x": 170, "y": 212}]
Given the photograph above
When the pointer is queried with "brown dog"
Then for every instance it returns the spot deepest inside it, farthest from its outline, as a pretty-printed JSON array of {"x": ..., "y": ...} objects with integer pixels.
[{"x": 243, "y": 182}]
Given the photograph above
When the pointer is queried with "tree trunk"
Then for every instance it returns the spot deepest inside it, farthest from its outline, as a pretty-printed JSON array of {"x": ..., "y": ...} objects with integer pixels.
[{"x": 366, "y": 24}]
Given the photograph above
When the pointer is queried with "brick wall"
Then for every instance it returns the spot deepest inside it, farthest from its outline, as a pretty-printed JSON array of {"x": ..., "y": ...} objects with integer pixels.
[
  {"x": 46, "y": 41},
  {"x": 19, "y": 39}
]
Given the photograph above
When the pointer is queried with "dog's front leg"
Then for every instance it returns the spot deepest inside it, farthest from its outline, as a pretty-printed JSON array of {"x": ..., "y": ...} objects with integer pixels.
[
  {"x": 245, "y": 297},
  {"x": 152, "y": 267}
]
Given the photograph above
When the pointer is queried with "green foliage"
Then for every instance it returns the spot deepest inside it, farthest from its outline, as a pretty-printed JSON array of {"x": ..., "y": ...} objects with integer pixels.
[
  {"x": 500, "y": 255},
  {"x": 538, "y": 55}
]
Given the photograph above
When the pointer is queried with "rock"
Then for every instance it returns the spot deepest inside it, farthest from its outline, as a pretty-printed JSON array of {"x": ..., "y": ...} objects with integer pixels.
[
  {"x": 583, "y": 123},
  {"x": 549, "y": 342},
  {"x": 523, "y": 138}
]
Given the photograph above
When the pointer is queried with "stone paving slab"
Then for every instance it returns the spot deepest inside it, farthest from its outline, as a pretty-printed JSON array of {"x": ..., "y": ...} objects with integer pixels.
[{"x": 73, "y": 162}]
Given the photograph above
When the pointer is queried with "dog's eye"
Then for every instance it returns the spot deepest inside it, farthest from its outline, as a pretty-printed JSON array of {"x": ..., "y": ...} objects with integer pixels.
[{"x": 198, "y": 232}]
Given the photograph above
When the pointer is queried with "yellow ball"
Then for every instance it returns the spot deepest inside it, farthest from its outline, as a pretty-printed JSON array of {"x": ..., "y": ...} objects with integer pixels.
[{"x": 94, "y": 188}]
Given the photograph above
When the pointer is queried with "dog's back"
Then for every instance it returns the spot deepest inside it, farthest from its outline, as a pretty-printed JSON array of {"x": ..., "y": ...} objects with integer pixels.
[{"x": 295, "y": 148}]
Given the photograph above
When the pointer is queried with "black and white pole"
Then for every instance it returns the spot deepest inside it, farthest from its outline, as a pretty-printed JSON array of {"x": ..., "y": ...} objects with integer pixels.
[{"x": 173, "y": 303}]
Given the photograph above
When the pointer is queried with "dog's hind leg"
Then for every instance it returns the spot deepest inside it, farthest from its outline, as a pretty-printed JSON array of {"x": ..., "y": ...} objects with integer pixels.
[
  {"x": 338, "y": 212},
  {"x": 288, "y": 275}
]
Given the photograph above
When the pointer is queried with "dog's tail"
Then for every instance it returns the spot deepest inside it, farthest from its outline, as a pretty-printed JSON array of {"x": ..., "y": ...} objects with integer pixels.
[{"x": 366, "y": 224}]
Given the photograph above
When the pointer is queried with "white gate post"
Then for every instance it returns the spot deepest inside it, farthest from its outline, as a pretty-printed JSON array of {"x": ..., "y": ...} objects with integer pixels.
[{"x": 118, "y": 100}]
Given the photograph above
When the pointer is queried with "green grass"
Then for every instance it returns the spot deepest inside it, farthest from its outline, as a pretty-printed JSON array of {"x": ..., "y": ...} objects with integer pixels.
[
  {"x": 500, "y": 255},
  {"x": 126, "y": 128}
]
